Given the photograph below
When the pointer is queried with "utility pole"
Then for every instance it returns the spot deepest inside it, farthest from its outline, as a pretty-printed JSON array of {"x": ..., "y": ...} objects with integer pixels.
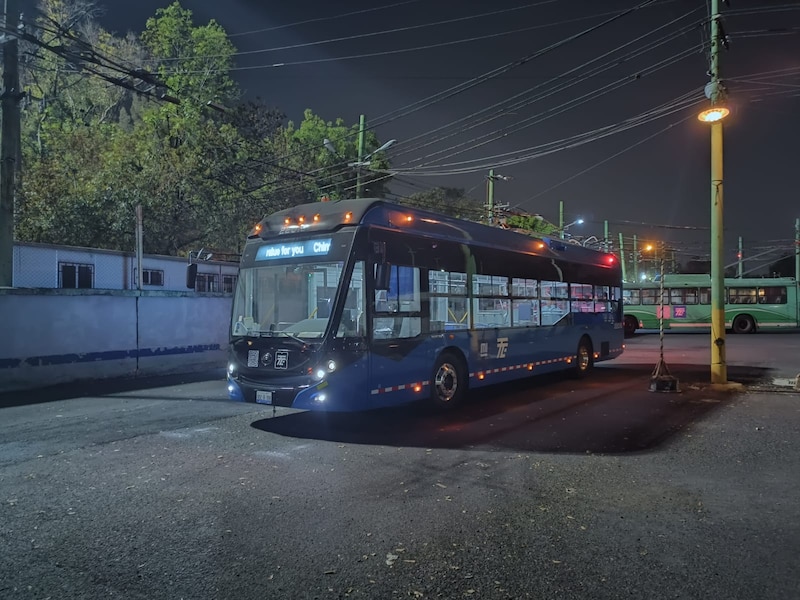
[
  {"x": 719, "y": 368},
  {"x": 622, "y": 258},
  {"x": 490, "y": 197},
  {"x": 797, "y": 250},
  {"x": 740, "y": 260},
  {"x": 361, "y": 127},
  {"x": 9, "y": 142},
  {"x": 561, "y": 218},
  {"x": 491, "y": 207}
]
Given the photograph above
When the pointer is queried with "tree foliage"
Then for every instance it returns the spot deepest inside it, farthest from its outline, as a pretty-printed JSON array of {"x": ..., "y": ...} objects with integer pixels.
[
  {"x": 203, "y": 163},
  {"x": 535, "y": 224}
]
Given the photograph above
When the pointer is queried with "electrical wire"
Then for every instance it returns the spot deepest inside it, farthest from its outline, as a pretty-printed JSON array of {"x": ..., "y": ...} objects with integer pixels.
[{"x": 328, "y": 18}]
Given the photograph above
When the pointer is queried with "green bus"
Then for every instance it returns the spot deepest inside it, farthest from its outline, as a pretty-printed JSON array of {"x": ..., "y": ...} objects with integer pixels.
[{"x": 751, "y": 304}]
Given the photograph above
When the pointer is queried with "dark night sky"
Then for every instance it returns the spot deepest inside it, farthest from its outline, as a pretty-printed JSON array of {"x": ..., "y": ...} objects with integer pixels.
[{"x": 661, "y": 175}]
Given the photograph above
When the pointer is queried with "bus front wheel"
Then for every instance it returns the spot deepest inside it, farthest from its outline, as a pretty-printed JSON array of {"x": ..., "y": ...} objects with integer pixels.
[
  {"x": 630, "y": 325},
  {"x": 744, "y": 324},
  {"x": 449, "y": 382},
  {"x": 584, "y": 359}
]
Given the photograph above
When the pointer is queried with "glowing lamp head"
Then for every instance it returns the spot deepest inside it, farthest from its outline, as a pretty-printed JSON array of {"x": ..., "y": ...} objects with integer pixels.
[{"x": 714, "y": 114}]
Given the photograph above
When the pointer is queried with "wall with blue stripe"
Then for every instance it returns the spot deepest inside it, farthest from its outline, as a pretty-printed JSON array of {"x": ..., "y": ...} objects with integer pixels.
[{"x": 52, "y": 336}]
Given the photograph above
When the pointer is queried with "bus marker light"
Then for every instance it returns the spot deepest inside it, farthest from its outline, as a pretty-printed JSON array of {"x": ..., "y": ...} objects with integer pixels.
[
  {"x": 287, "y": 221},
  {"x": 348, "y": 216},
  {"x": 530, "y": 366},
  {"x": 481, "y": 375},
  {"x": 316, "y": 218},
  {"x": 569, "y": 360},
  {"x": 301, "y": 219},
  {"x": 417, "y": 387}
]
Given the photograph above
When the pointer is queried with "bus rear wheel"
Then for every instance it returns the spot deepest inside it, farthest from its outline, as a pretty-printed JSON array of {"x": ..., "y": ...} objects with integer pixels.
[
  {"x": 449, "y": 383},
  {"x": 584, "y": 359},
  {"x": 630, "y": 325},
  {"x": 744, "y": 324}
]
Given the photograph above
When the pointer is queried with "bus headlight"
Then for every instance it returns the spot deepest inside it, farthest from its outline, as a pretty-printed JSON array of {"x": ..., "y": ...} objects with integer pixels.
[
  {"x": 331, "y": 366},
  {"x": 231, "y": 368},
  {"x": 320, "y": 374}
]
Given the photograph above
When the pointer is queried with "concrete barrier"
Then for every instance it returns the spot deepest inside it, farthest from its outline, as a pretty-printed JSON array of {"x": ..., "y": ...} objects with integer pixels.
[{"x": 52, "y": 336}]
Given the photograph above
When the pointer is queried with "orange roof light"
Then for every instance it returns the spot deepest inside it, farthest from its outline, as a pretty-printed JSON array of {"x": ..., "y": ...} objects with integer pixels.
[
  {"x": 316, "y": 218},
  {"x": 301, "y": 219},
  {"x": 348, "y": 216},
  {"x": 286, "y": 221}
]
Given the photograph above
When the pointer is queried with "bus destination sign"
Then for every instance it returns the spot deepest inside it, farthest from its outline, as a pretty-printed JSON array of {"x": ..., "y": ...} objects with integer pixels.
[{"x": 294, "y": 250}]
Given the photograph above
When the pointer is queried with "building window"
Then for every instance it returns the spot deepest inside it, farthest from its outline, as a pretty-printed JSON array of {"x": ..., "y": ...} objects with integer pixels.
[
  {"x": 228, "y": 283},
  {"x": 152, "y": 277},
  {"x": 206, "y": 282},
  {"x": 74, "y": 275}
]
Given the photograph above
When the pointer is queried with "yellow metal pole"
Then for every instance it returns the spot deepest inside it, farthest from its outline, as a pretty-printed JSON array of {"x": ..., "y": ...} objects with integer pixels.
[{"x": 719, "y": 369}]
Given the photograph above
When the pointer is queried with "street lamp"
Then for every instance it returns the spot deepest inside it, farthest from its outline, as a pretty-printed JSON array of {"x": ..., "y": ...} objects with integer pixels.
[
  {"x": 568, "y": 225},
  {"x": 365, "y": 162}
]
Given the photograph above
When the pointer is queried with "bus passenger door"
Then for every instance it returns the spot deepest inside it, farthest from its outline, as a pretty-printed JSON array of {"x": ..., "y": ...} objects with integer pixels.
[{"x": 398, "y": 359}]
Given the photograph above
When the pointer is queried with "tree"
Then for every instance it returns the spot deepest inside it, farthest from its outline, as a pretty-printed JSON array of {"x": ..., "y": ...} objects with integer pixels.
[
  {"x": 204, "y": 165},
  {"x": 535, "y": 224},
  {"x": 327, "y": 165},
  {"x": 784, "y": 266}
]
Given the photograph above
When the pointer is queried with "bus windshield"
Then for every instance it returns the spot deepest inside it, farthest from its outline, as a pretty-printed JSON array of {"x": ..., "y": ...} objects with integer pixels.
[{"x": 290, "y": 300}]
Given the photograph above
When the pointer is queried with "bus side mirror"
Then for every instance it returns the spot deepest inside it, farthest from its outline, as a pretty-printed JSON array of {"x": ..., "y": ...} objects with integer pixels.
[
  {"x": 191, "y": 276},
  {"x": 383, "y": 274}
]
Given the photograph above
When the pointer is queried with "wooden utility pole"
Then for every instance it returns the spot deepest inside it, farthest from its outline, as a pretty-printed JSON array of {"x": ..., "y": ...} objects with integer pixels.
[{"x": 9, "y": 141}]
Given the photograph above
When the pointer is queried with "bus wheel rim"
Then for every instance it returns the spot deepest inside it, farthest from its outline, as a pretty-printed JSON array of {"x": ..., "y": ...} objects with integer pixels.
[
  {"x": 446, "y": 382},
  {"x": 583, "y": 358}
]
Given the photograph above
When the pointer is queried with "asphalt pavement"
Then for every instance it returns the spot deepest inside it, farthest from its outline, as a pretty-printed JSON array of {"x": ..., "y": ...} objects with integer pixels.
[{"x": 549, "y": 488}]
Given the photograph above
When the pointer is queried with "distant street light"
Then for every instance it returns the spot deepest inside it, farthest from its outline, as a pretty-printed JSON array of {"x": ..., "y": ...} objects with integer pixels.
[
  {"x": 365, "y": 162},
  {"x": 568, "y": 225}
]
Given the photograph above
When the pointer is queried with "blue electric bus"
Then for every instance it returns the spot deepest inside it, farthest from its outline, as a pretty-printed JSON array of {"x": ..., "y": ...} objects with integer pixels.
[{"x": 363, "y": 304}]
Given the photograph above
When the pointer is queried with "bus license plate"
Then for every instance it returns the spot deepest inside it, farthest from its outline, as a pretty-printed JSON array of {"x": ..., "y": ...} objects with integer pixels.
[{"x": 263, "y": 397}]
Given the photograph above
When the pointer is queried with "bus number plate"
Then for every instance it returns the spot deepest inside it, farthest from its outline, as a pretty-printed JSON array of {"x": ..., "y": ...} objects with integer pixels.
[{"x": 263, "y": 397}]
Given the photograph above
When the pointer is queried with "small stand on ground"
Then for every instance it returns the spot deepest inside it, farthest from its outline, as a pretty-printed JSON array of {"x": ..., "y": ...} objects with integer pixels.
[{"x": 662, "y": 380}]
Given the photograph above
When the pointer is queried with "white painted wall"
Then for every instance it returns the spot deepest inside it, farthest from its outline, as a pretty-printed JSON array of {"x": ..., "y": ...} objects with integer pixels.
[
  {"x": 51, "y": 336},
  {"x": 37, "y": 266}
]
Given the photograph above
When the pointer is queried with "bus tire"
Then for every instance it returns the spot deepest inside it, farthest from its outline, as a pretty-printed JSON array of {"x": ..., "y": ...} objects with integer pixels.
[
  {"x": 630, "y": 325},
  {"x": 449, "y": 381},
  {"x": 584, "y": 359},
  {"x": 744, "y": 324}
]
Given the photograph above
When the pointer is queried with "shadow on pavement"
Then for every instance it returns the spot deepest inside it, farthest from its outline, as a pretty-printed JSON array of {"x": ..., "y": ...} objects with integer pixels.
[
  {"x": 611, "y": 413},
  {"x": 103, "y": 387}
]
